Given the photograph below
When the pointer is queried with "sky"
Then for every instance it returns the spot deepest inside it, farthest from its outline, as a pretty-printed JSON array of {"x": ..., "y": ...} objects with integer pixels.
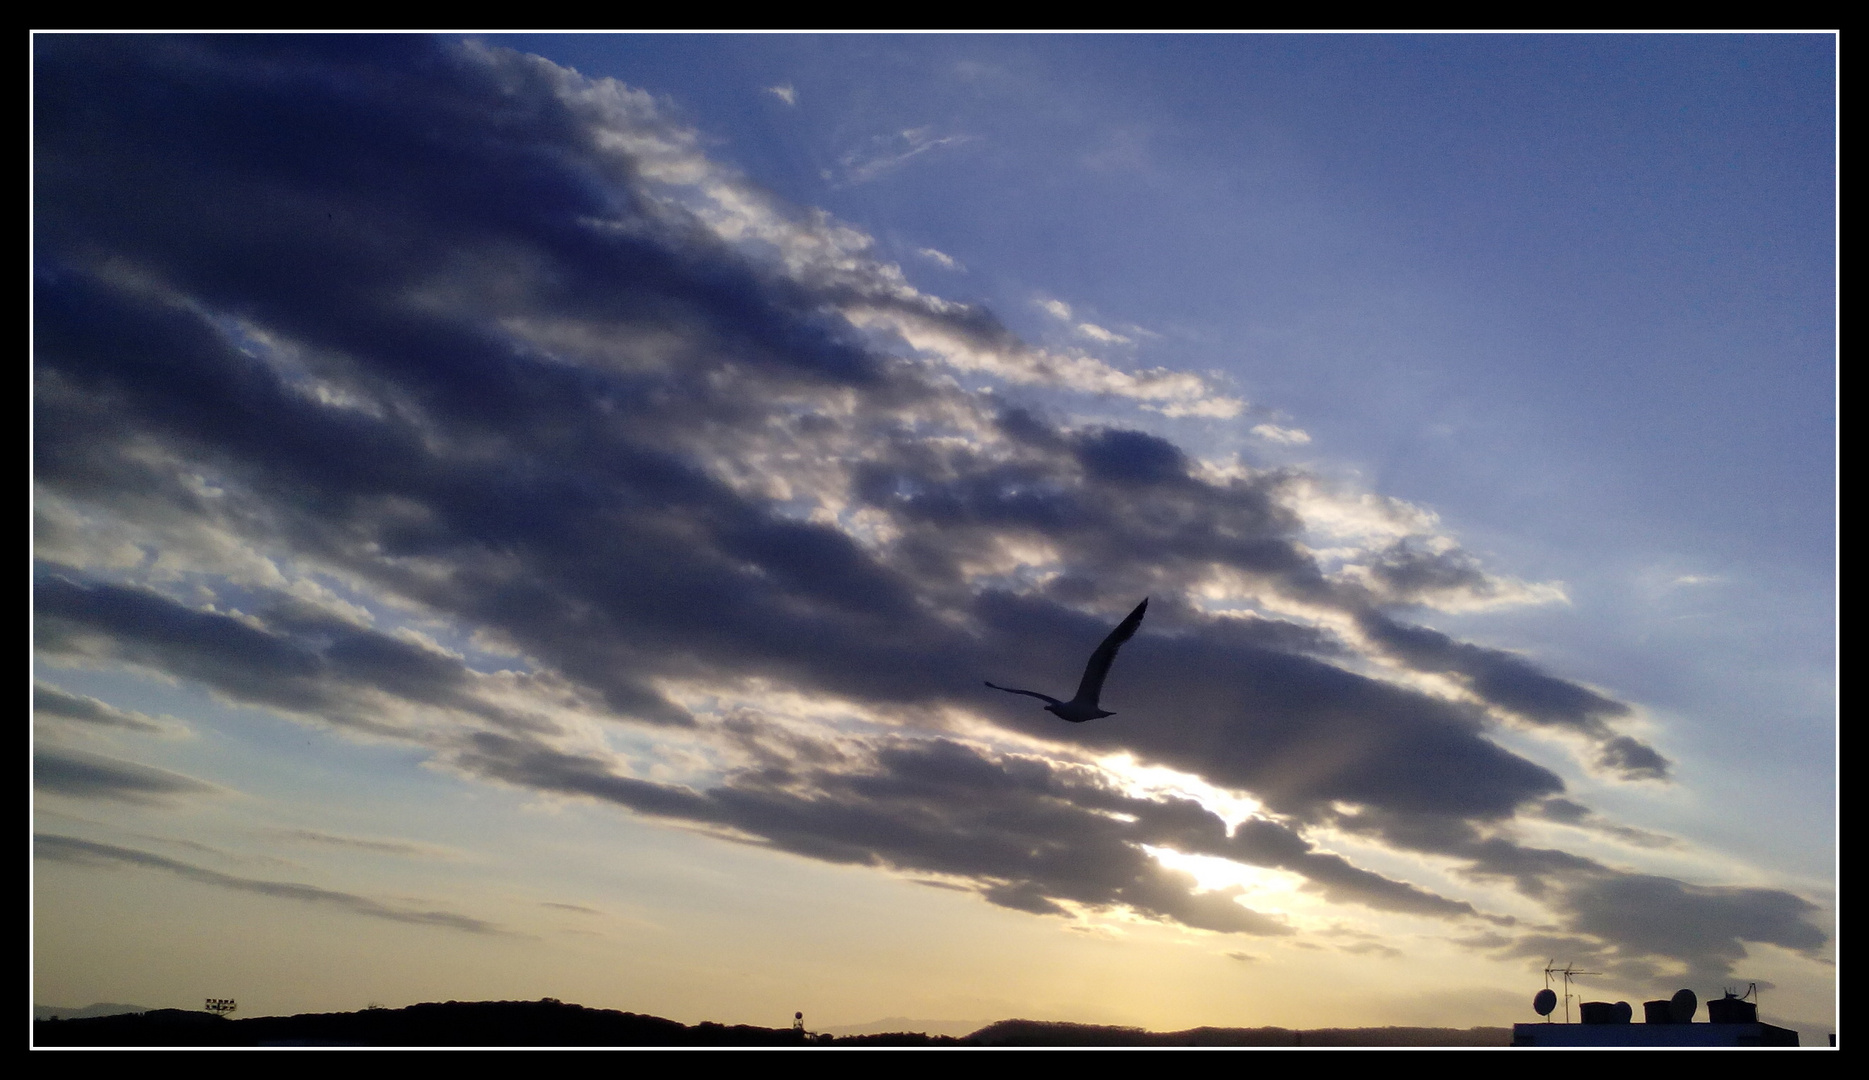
[{"x": 532, "y": 516}]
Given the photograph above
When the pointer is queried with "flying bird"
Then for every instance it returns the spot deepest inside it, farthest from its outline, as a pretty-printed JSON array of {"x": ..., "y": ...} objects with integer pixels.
[{"x": 1084, "y": 706}]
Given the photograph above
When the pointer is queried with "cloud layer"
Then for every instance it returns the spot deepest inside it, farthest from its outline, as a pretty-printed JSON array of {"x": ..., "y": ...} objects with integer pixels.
[
  {"x": 71, "y": 849},
  {"x": 445, "y": 395}
]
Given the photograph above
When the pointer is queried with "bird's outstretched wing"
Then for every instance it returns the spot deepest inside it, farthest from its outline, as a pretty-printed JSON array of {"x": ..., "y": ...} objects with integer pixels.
[
  {"x": 1028, "y": 693},
  {"x": 1099, "y": 667}
]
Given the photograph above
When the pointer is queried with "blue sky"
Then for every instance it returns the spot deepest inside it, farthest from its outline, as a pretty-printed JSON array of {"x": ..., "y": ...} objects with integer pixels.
[{"x": 552, "y": 500}]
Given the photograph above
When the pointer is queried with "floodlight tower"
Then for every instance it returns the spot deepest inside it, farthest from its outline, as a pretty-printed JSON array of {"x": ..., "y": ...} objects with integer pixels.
[{"x": 222, "y": 1006}]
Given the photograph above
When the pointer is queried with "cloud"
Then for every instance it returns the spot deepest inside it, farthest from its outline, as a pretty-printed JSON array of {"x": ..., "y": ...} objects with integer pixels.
[
  {"x": 1647, "y": 915},
  {"x": 338, "y": 326},
  {"x": 941, "y": 259},
  {"x": 1575, "y": 814},
  {"x": 78, "y": 775},
  {"x": 48, "y": 700},
  {"x": 70, "y": 849},
  {"x": 1098, "y": 333},
  {"x": 1274, "y": 433},
  {"x": 288, "y": 657},
  {"x": 886, "y": 153},
  {"x": 375, "y": 845},
  {"x": 1434, "y": 572},
  {"x": 218, "y": 853},
  {"x": 1647, "y": 928},
  {"x": 1516, "y": 686},
  {"x": 1061, "y": 311},
  {"x": 784, "y": 92},
  {"x": 1040, "y": 834}
]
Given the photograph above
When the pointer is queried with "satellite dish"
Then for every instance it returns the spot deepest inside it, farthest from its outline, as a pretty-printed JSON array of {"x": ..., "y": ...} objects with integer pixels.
[
  {"x": 1544, "y": 1002},
  {"x": 1683, "y": 1005}
]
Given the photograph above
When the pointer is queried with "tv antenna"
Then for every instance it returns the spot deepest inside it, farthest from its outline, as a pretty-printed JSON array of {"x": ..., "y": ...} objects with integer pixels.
[{"x": 1567, "y": 971}]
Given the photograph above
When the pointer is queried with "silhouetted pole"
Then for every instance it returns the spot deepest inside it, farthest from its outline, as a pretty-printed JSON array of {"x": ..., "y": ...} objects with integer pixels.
[{"x": 1567, "y": 971}]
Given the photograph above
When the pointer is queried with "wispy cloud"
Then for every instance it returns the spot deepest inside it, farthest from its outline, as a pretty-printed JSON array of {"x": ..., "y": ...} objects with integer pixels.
[
  {"x": 784, "y": 92},
  {"x": 1288, "y": 436},
  {"x": 70, "y": 849},
  {"x": 76, "y": 774},
  {"x": 1062, "y": 311},
  {"x": 886, "y": 153},
  {"x": 1098, "y": 333},
  {"x": 48, "y": 700},
  {"x": 376, "y": 845}
]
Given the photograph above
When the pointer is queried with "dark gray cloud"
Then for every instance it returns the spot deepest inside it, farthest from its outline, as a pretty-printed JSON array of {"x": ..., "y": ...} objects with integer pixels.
[
  {"x": 1572, "y": 813},
  {"x": 1644, "y": 926},
  {"x": 397, "y": 312},
  {"x": 285, "y": 659},
  {"x": 1264, "y": 843},
  {"x": 1517, "y": 686},
  {"x": 79, "y": 775},
  {"x": 50, "y": 700},
  {"x": 1643, "y": 915},
  {"x": 1027, "y": 832},
  {"x": 70, "y": 849},
  {"x": 1632, "y": 758},
  {"x": 1408, "y": 573}
]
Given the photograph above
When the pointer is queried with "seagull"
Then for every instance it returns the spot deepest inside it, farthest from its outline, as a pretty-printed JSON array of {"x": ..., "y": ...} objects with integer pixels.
[{"x": 1084, "y": 706}]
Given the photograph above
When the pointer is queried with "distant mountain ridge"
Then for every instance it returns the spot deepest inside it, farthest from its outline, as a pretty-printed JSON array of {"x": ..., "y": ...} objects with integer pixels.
[
  {"x": 99, "y": 1008},
  {"x": 549, "y": 1022},
  {"x": 1053, "y": 1033}
]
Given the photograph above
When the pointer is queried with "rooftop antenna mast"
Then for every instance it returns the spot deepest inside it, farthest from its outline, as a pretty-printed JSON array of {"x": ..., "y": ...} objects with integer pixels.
[{"x": 1567, "y": 971}]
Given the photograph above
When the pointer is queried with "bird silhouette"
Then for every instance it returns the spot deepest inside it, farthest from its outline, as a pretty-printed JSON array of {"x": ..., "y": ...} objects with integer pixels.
[{"x": 1084, "y": 706}]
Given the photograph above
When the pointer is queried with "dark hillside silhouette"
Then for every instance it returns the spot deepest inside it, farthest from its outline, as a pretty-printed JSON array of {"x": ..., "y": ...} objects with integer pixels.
[
  {"x": 452, "y": 1023},
  {"x": 1042, "y": 1033},
  {"x": 554, "y": 1023}
]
